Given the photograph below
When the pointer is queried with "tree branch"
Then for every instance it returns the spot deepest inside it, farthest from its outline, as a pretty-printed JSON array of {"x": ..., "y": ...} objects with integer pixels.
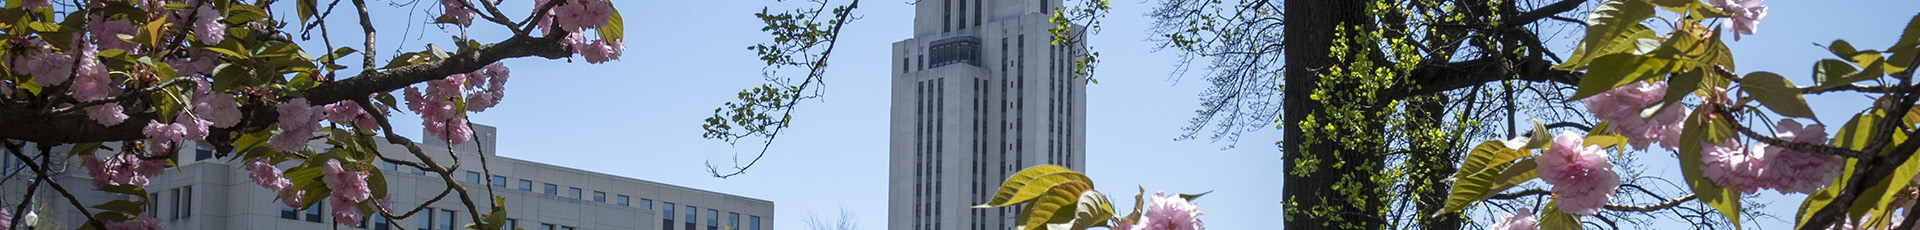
[{"x": 1651, "y": 207}]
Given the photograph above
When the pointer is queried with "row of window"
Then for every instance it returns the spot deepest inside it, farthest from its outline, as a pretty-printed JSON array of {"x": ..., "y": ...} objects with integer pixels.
[
  {"x": 180, "y": 205},
  {"x": 713, "y": 219}
]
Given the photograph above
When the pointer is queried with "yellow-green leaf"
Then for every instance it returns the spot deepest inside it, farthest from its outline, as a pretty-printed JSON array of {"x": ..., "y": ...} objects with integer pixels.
[
  {"x": 1015, "y": 183},
  {"x": 1552, "y": 218},
  {"x": 1777, "y": 93},
  {"x": 1093, "y": 209},
  {"x": 1722, "y": 199},
  {"x": 1055, "y": 207},
  {"x": 1478, "y": 173}
]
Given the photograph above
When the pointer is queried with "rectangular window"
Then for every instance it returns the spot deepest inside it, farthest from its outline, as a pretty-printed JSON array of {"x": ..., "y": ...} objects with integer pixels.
[
  {"x": 446, "y": 219},
  {"x": 390, "y": 166},
  {"x": 690, "y": 216},
  {"x": 499, "y": 181},
  {"x": 553, "y": 189},
  {"x": 417, "y": 171},
  {"x": 526, "y": 185},
  {"x": 313, "y": 212},
  {"x": 599, "y": 197},
  {"x": 621, "y": 200},
  {"x": 473, "y": 177},
  {"x": 753, "y": 223},
  {"x": 288, "y": 212},
  {"x": 575, "y": 193},
  {"x": 175, "y": 215},
  {"x": 546, "y": 227},
  {"x": 426, "y": 219},
  {"x": 363, "y": 223},
  {"x": 666, "y": 216},
  {"x": 647, "y": 204},
  {"x": 380, "y": 222},
  {"x": 513, "y": 224},
  {"x": 202, "y": 153},
  {"x": 566, "y": 228},
  {"x": 153, "y": 208},
  {"x": 186, "y": 202},
  {"x": 713, "y": 219},
  {"x": 733, "y": 220}
]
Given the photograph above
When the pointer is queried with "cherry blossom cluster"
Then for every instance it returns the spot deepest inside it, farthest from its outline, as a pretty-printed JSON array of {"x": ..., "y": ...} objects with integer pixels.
[
  {"x": 298, "y": 122},
  {"x": 349, "y": 190},
  {"x": 1169, "y": 212},
  {"x": 121, "y": 169},
  {"x": 574, "y": 17},
  {"x": 1621, "y": 107},
  {"x": 1522, "y": 220},
  {"x": 1762, "y": 166},
  {"x": 1746, "y": 14},
  {"x": 437, "y": 106},
  {"x": 1582, "y": 178},
  {"x": 269, "y": 177}
]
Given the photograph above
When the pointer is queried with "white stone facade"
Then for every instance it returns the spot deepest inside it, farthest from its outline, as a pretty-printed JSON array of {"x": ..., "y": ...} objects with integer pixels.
[
  {"x": 979, "y": 92},
  {"x": 214, "y": 194}
]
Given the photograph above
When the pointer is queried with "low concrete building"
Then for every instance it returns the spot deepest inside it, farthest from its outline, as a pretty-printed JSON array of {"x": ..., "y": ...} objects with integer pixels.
[{"x": 205, "y": 192}]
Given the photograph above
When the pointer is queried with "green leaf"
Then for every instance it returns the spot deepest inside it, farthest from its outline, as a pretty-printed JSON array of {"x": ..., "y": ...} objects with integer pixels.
[
  {"x": 1832, "y": 72},
  {"x": 1604, "y": 140},
  {"x": 1055, "y": 207},
  {"x": 305, "y": 8},
  {"x": 615, "y": 29},
  {"x": 1519, "y": 172},
  {"x": 1678, "y": 88},
  {"x": 1552, "y": 218},
  {"x": 1777, "y": 94},
  {"x": 1038, "y": 186},
  {"x": 1191, "y": 197},
  {"x": 1478, "y": 173},
  {"x": 1615, "y": 70},
  {"x": 1019, "y": 181},
  {"x": 1638, "y": 39},
  {"x": 1691, "y": 137},
  {"x": 1611, "y": 20},
  {"x": 1910, "y": 37},
  {"x": 1092, "y": 209}
]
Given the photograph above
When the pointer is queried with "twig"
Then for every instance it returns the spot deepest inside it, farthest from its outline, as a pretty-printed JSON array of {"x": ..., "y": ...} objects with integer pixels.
[
  {"x": 41, "y": 172},
  {"x": 1651, "y": 207}
]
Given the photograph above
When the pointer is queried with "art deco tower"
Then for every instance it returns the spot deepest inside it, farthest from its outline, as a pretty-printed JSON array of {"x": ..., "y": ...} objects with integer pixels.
[{"x": 979, "y": 93}]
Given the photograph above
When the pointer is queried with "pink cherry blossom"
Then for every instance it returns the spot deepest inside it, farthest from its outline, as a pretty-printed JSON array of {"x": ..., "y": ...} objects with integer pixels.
[
  {"x": 1862, "y": 223},
  {"x": 107, "y": 33},
  {"x": 600, "y": 51},
  {"x": 144, "y": 222},
  {"x": 161, "y": 136},
  {"x": 1731, "y": 166},
  {"x": 582, "y": 15},
  {"x": 1582, "y": 178},
  {"x": 207, "y": 26},
  {"x": 267, "y": 176},
  {"x": 345, "y": 212},
  {"x": 1746, "y": 15},
  {"x": 121, "y": 169},
  {"x": 107, "y": 114},
  {"x": 6, "y": 219},
  {"x": 350, "y": 113},
  {"x": 458, "y": 12},
  {"x": 298, "y": 121},
  {"x": 347, "y": 185},
  {"x": 1621, "y": 107},
  {"x": 218, "y": 108},
  {"x": 1791, "y": 171},
  {"x": 292, "y": 197},
  {"x": 1523, "y": 220},
  {"x": 1170, "y": 212},
  {"x": 91, "y": 81}
]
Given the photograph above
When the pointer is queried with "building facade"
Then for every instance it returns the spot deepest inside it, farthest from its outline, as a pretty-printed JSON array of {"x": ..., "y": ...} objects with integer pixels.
[
  {"x": 206, "y": 192},
  {"x": 980, "y": 92}
]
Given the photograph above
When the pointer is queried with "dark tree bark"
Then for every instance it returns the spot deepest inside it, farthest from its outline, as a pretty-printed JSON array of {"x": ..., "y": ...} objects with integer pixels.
[{"x": 1312, "y": 198}]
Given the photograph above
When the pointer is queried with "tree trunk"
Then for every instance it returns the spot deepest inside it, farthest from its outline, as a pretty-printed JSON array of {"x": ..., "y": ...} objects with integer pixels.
[{"x": 1313, "y": 200}]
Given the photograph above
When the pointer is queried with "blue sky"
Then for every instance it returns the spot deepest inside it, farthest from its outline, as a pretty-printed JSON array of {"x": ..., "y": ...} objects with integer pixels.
[{"x": 640, "y": 117}]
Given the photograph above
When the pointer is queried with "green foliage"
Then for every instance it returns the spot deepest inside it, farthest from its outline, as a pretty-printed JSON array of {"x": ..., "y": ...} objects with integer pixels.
[
  {"x": 1481, "y": 174},
  {"x": 1777, "y": 93},
  {"x": 1551, "y": 217},
  {"x": 1695, "y": 133},
  {"x": 1057, "y": 198}
]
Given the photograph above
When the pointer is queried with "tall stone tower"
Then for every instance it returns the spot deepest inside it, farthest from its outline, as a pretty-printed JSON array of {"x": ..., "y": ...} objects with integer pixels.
[{"x": 979, "y": 93}]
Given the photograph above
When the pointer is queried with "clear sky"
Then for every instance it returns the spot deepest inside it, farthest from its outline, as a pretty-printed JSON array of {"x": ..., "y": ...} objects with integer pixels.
[{"x": 640, "y": 117}]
